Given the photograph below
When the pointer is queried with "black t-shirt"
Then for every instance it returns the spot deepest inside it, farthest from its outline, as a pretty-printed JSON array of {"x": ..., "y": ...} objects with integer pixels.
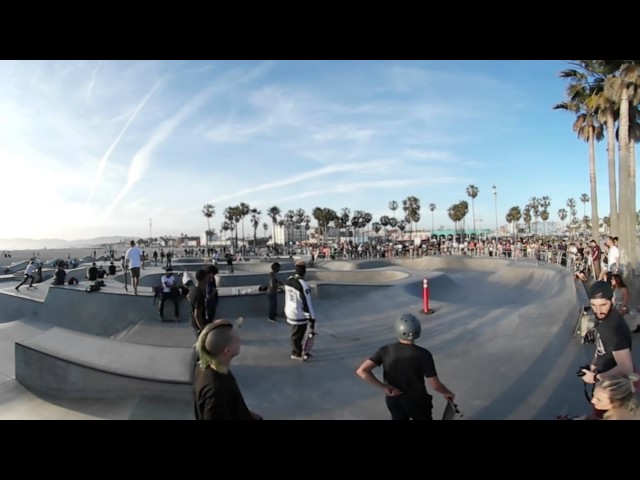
[
  {"x": 196, "y": 298},
  {"x": 59, "y": 277},
  {"x": 93, "y": 273},
  {"x": 112, "y": 269},
  {"x": 218, "y": 397},
  {"x": 405, "y": 367},
  {"x": 613, "y": 335}
]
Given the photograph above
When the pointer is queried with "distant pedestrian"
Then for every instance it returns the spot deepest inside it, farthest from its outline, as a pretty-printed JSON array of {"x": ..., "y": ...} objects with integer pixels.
[
  {"x": 133, "y": 256},
  {"x": 272, "y": 291},
  {"x": 169, "y": 292}
]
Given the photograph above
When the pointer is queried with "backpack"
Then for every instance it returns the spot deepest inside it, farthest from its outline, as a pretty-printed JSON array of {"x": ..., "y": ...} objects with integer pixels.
[
  {"x": 93, "y": 288},
  {"x": 584, "y": 326}
]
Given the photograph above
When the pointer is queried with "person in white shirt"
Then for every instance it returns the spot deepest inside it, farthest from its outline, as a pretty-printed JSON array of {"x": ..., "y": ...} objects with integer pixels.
[
  {"x": 132, "y": 257},
  {"x": 169, "y": 291},
  {"x": 28, "y": 275},
  {"x": 613, "y": 256}
]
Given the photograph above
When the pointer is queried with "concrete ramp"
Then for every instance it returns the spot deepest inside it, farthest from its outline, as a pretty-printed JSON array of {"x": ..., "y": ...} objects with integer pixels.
[
  {"x": 71, "y": 364},
  {"x": 501, "y": 336}
]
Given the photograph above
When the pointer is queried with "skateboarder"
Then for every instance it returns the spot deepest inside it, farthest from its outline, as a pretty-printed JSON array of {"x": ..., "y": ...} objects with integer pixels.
[
  {"x": 405, "y": 365},
  {"x": 298, "y": 309},
  {"x": 28, "y": 275}
]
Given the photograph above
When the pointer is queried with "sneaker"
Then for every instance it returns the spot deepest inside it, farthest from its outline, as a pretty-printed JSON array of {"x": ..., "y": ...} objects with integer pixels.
[
  {"x": 271, "y": 320},
  {"x": 306, "y": 356},
  {"x": 18, "y": 288},
  {"x": 297, "y": 357}
]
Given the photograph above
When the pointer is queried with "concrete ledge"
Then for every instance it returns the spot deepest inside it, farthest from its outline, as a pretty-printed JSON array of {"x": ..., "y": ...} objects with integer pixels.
[{"x": 66, "y": 363}]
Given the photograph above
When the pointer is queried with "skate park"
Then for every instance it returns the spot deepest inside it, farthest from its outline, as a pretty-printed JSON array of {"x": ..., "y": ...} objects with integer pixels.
[{"x": 501, "y": 333}]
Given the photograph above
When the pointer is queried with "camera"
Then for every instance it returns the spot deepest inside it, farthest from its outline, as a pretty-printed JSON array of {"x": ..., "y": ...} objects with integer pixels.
[
  {"x": 580, "y": 373},
  {"x": 590, "y": 336}
]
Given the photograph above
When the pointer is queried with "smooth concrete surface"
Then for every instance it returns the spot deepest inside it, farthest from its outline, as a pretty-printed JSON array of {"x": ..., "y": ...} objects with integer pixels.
[
  {"x": 65, "y": 363},
  {"x": 501, "y": 336}
]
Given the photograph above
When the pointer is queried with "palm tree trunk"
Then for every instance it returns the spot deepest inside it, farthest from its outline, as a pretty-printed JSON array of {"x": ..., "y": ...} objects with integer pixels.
[
  {"x": 624, "y": 225},
  {"x": 611, "y": 160},
  {"x": 592, "y": 180},
  {"x": 473, "y": 209}
]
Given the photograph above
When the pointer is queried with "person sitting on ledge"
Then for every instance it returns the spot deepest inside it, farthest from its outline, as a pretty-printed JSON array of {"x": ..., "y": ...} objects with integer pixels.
[
  {"x": 59, "y": 276},
  {"x": 92, "y": 273}
]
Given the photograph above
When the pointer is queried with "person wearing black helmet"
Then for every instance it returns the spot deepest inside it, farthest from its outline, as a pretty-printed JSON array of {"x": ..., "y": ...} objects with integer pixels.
[
  {"x": 405, "y": 365},
  {"x": 612, "y": 337}
]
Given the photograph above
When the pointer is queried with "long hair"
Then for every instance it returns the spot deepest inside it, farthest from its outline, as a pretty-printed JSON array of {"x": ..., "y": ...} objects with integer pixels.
[
  {"x": 621, "y": 392},
  {"x": 618, "y": 278}
]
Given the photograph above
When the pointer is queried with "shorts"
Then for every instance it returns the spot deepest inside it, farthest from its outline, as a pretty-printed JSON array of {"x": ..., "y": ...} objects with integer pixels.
[{"x": 135, "y": 272}]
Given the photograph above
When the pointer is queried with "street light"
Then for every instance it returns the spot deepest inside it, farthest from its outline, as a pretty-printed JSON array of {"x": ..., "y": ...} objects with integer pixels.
[{"x": 495, "y": 197}]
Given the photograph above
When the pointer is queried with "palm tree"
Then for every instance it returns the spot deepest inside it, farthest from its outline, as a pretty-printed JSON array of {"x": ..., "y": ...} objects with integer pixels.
[
  {"x": 584, "y": 198},
  {"x": 411, "y": 207},
  {"x": 226, "y": 226},
  {"x": 571, "y": 203},
  {"x": 393, "y": 206},
  {"x": 255, "y": 222},
  {"x": 515, "y": 215},
  {"x": 562, "y": 215},
  {"x": 273, "y": 213},
  {"x": 208, "y": 211},
  {"x": 583, "y": 101},
  {"x": 526, "y": 217},
  {"x": 544, "y": 215},
  {"x": 324, "y": 216},
  {"x": 432, "y": 207},
  {"x": 243, "y": 210},
  {"x": 624, "y": 89},
  {"x": 472, "y": 192}
]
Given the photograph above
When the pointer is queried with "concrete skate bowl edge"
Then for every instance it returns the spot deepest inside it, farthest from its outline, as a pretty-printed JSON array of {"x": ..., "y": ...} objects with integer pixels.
[{"x": 502, "y": 287}]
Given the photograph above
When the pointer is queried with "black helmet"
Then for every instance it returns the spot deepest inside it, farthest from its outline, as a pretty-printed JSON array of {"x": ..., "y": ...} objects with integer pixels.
[{"x": 408, "y": 327}]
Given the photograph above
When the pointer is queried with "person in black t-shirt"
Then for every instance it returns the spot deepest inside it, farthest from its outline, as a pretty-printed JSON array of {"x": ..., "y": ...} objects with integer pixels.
[
  {"x": 612, "y": 337},
  {"x": 92, "y": 273},
  {"x": 217, "y": 395},
  {"x": 112, "y": 269},
  {"x": 59, "y": 276},
  {"x": 196, "y": 297},
  {"x": 405, "y": 365}
]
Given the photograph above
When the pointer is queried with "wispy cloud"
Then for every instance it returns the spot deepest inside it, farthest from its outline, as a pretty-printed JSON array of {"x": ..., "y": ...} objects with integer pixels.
[
  {"x": 328, "y": 170},
  {"x": 352, "y": 188},
  {"x": 105, "y": 157},
  {"x": 142, "y": 159},
  {"x": 94, "y": 74}
]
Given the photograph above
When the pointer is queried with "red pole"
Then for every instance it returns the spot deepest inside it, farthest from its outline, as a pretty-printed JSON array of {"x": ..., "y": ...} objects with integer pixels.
[{"x": 425, "y": 297}]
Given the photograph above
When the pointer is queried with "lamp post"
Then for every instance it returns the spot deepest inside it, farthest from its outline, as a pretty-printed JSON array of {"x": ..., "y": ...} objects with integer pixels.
[{"x": 495, "y": 198}]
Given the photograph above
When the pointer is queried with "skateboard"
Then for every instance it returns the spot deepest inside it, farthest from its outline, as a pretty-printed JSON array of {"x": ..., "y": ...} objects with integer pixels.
[
  {"x": 310, "y": 338},
  {"x": 451, "y": 412}
]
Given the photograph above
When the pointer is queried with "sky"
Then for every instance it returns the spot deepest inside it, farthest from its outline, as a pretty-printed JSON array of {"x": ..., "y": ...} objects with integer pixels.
[{"x": 101, "y": 148}]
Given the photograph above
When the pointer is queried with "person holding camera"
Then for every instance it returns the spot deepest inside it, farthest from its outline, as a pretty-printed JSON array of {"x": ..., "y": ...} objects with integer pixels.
[{"x": 611, "y": 336}]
